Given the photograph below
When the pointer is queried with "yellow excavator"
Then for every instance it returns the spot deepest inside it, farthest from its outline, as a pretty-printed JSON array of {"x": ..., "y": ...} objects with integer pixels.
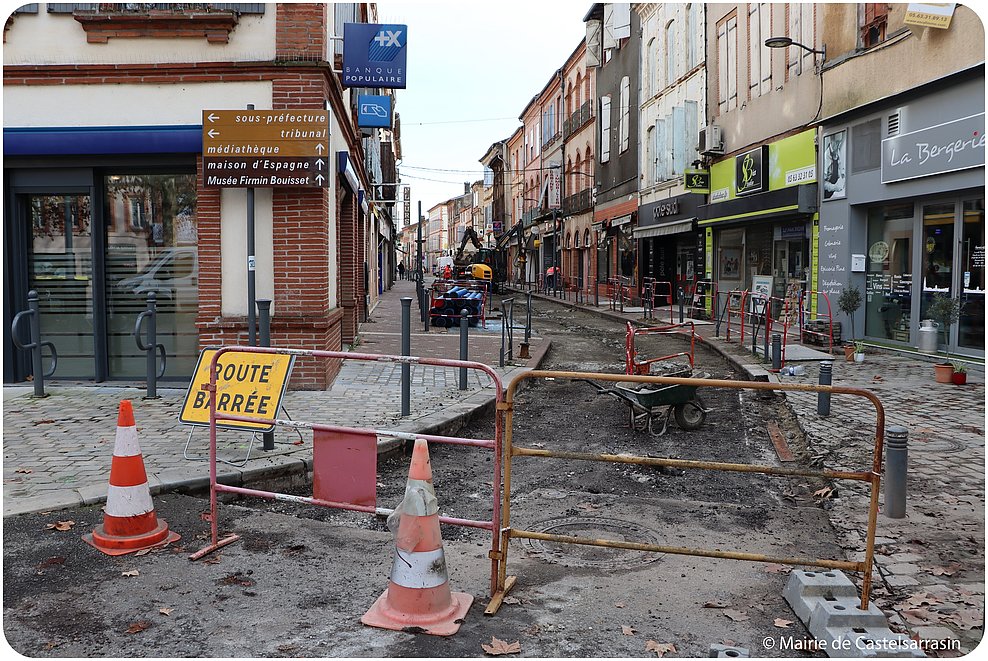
[{"x": 478, "y": 265}]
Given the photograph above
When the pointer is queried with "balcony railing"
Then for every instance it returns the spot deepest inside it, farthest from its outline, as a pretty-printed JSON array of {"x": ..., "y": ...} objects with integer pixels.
[
  {"x": 148, "y": 7},
  {"x": 578, "y": 202},
  {"x": 577, "y": 120}
]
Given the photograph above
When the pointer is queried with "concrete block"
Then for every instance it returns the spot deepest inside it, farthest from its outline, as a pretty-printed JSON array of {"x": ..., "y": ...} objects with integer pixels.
[
  {"x": 805, "y": 588},
  {"x": 728, "y": 652},
  {"x": 843, "y": 612}
]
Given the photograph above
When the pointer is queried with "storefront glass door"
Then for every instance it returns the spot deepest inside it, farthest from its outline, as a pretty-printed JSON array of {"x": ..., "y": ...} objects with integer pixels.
[
  {"x": 971, "y": 271},
  {"x": 937, "y": 253},
  {"x": 60, "y": 269}
]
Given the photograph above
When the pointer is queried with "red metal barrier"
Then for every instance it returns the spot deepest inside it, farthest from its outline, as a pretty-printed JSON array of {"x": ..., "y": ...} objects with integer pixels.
[
  {"x": 632, "y": 365},
  {"x": 811, "y": 323},
  {"x": 704, "y": 293},
  {"x": 734, "y": 309},
  {"x": 360, "y": 497}
]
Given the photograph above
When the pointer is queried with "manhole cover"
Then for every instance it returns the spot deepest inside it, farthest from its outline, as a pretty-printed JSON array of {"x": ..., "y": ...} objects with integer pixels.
[{"x": 581, "y": 555}]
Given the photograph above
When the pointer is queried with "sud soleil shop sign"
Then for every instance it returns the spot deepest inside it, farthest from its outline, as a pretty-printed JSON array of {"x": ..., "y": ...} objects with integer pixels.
[{"x": 955, "y": 145}]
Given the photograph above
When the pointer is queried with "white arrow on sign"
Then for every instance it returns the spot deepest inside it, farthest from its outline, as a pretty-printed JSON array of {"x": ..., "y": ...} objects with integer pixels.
[
  {"x": 319, "y": 164},
  {"x": 319, "y": 179},
  {"x": 212, "y": 133},
  {"x": 211, "y": 117},
  {"x": 319, "y": 148}
]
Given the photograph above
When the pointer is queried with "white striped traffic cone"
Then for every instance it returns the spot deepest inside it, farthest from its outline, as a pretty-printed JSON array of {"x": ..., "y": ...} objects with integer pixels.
[
  {"x": 418, "y": 597},
  {"x": 129, "y": 521}
]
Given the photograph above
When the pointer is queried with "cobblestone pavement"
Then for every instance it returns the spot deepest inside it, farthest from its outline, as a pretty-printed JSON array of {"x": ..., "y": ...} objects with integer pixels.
[
  {"x": 930, "y": 565},
  {"x": 57, "y": 450}
]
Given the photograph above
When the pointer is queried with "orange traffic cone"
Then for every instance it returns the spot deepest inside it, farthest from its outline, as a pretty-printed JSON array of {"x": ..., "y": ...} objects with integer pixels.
[
  {"x": 129, "y": 521},
  {"x": 418, "y": 595}
]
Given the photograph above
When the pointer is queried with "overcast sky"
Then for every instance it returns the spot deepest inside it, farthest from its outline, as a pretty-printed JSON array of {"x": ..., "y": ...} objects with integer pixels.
[{"x": 472, "y": 68}]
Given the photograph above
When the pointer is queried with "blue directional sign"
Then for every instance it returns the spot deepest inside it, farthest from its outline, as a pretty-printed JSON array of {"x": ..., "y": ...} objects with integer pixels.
[
  {"x": 374, "y": 55},
  {"x": 373, "y": 111}
]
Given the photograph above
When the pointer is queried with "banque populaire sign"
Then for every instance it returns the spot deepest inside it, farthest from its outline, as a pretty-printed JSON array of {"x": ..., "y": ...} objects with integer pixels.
[
  {"x": 374, "y": 55},
  {"x": 954, "y": 145}
]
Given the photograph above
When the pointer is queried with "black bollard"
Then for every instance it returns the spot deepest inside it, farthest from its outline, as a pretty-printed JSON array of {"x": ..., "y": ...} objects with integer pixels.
[
  {"x": 682, "y": 295},
  {"x": 776, "y": 352},
  {"x": 152, "y": 355},
  {"x": 826, "y": 379},
  {"x": 896, "y": 464},
  {"x": 406, "y": 350},
  {"x": 34, "y": 326},
  {"x": 264, "y": 321},
  {"x": 464, "y": 344}
]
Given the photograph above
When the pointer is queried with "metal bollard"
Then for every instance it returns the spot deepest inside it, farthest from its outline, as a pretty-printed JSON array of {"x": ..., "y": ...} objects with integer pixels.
[
  {"x": 826, "y": 379},
  {"x": 424, "y": 303},
  {"x": 152, "y": 347},
  {"x": 776, "y": 352},
  {"x": 896, "y": 464},
  {"x": 464, "y": 344},
  {"x": 406, "y": 350},
  {"x": 264, "y": 321},
  {"x": 682, "y": 295},
  {"x": 33, "y": 314}
]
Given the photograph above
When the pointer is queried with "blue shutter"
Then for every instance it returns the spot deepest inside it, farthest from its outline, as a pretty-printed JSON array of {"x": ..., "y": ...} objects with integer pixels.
[
  {"x": 692, "y": 130},
  {"x": 678, "y": 140},
  {"x": 27, "y": 9},
  {"x": 68, "y": 8},
  {"x": 661, "y": 158}
]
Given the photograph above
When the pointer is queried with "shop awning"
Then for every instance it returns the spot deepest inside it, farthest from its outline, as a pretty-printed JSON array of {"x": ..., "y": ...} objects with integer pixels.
[{"x": 663, "y": 230}]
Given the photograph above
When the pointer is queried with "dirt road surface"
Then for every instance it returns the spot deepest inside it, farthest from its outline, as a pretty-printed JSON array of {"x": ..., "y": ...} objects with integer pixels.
[{"x": 301, "y": 577}]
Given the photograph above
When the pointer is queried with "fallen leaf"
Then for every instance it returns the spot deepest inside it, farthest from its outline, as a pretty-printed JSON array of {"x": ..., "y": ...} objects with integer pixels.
[
  {"x": 923, "y": 599},
  {"x": 143, "y": 552},
  {"x": 619, "y": 604},
  {"x": 967, "y": 619},
  {"x": 823, "y": 494},
  {"x": 627, "y": 631},
  {"x": 782, "y": 624},
  {"x": 773, "y": 568},
  {"x": 919, "y": 616},
  {"x": 51, "y": 562},
  {"x": 499, "y": 647},
  {"x": 511, "y": 600},
  {"x": 588, "y": 507},
  {"x": 660, "y": 649},
  {"x": 132, "y": 572},
  {"x": 23, "y": 470},
  {"x": 165, "y": 611},
  {"x": 737, "y": 616},
  {"x": 941, "y": 571},
  {"x": 140, "y": 625},
  {"x": 60, "y": 525},
  {"x": 715, "y": 604}
]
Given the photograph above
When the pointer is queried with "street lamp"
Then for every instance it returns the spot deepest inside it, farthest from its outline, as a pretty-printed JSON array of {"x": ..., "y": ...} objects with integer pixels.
[{"x": 786, "y": 42}]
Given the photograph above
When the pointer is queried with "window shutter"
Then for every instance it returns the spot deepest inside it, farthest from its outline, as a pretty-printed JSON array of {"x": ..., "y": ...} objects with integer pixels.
[
  {"x": 732, "y": 62},
  {"x": 650, "y": 155},
  {"x": 68, "y": 8},
  {"x": 722, "y": 65},
  {"x": 692, "y": 130},
  {"x": 765, "y": 17},
  {"x": 792, "y": 54},
  {"x": 661, "y": 151},
  {"x": 678, "y": 140},
  {"x": 609, "y": 40},
  {"x": 622, "y": 20},
  {"x": 625, "y": 112},
  {"x": 605, "y": 129},
  {"x": 808, "y": 33},
  {"x": 27, "y": 9},
  {"x": 755, "y": 48}
]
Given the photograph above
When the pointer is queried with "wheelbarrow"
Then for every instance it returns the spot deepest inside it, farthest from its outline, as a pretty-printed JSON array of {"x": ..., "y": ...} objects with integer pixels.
[{"x": 650, "y": 403}]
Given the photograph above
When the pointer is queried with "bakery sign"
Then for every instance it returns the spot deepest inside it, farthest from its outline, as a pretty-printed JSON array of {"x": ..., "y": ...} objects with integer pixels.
[{"x": 947, "y": 147}]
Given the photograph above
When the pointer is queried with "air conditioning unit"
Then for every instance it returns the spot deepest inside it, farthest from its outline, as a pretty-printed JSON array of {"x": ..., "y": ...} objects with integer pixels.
[{"x": 709, "y": 140}]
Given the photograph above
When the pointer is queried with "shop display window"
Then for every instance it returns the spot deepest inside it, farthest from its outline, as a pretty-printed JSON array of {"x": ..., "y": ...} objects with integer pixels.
[{"x": 889, "y": 276}]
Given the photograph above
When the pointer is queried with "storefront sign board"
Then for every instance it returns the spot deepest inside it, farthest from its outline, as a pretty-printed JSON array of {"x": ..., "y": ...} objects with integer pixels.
[{"x": 948, "y": 147}]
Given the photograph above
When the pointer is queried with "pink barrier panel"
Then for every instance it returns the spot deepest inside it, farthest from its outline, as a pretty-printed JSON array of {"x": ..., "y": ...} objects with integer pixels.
[{"x": 344, "y": 467}]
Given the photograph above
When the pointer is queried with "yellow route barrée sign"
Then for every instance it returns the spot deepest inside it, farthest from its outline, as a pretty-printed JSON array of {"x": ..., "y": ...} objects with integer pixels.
[{"x": 247, "y": 384}]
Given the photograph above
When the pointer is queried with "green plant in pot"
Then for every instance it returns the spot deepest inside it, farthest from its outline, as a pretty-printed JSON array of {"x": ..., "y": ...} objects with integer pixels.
[
  {"x": 959, "y": 377},
  {"x": 859, "y": 348},
  {"x": 945, "y": 310},
  {"x": 849, "y": 301}
]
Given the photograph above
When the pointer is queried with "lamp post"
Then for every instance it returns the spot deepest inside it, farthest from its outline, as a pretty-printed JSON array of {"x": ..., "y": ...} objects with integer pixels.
[{"x": 786, "y": 42}]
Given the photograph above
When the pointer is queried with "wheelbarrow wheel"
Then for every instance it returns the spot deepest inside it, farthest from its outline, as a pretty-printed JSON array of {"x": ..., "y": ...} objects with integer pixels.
[{"x": 689, "y": 416}]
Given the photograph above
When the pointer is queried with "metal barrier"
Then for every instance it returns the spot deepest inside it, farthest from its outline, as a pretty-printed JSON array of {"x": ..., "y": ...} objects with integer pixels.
[
  {"x": 634, "y": 366},
  {"x": 811, "y": 322},
  {"x": 873, "y": 477},
  {"x": 33, "y": 315},
  {"x": 508, "y": 328},
  {"x": 733, "y": 309},
  {"x": 618, "y": 292},
  {"x": 703, "y": 302},
  {"x": 152, "y": 347},
  {"x": 348, "y": 434}
]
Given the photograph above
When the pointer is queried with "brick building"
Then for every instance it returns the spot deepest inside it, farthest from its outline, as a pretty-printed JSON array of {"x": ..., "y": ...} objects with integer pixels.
[{"x": 105, "y": 197}]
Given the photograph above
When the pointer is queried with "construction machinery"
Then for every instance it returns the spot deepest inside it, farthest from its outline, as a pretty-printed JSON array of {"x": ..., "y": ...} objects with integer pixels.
[{"x": 485, "y": 264}]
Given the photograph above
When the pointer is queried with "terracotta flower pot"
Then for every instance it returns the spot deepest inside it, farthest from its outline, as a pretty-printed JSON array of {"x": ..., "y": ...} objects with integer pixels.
[
  {"x": 959, "y": 378},
  {"x": 849, "y": 352},
  {"x": 944, "y": 372}
]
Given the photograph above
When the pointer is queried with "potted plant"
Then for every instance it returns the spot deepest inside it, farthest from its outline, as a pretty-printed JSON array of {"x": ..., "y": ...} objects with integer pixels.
[
  {"x": 959, "y": 377},
  {"x": 945, "y": 310},
  {"x": 849, "y": 301},
  {"x": 859, "y": 351}
]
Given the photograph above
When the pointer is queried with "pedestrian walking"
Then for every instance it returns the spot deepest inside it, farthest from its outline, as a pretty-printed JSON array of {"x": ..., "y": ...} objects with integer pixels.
[{"x": 401, "y": 270}]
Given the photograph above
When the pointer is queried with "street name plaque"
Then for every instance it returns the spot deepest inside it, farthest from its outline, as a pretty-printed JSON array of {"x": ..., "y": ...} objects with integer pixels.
[{"x": 265, "y": 148}]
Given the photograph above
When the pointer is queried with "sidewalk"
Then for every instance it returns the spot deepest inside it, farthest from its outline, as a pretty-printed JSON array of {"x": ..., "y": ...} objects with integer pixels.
[
  {"x": 930, "y": 576},
  {"x": 57, "y": 450}
]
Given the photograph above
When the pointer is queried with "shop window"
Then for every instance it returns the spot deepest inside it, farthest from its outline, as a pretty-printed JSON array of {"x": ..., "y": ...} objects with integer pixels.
[
  {"x": 866, "y": 146},
  {"x": 971, "y": 326},
  {"x": 889, "y": 276}
]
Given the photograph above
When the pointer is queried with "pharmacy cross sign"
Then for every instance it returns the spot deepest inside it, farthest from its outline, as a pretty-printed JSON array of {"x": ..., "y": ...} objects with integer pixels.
[{"x": 265, "y": 148}]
